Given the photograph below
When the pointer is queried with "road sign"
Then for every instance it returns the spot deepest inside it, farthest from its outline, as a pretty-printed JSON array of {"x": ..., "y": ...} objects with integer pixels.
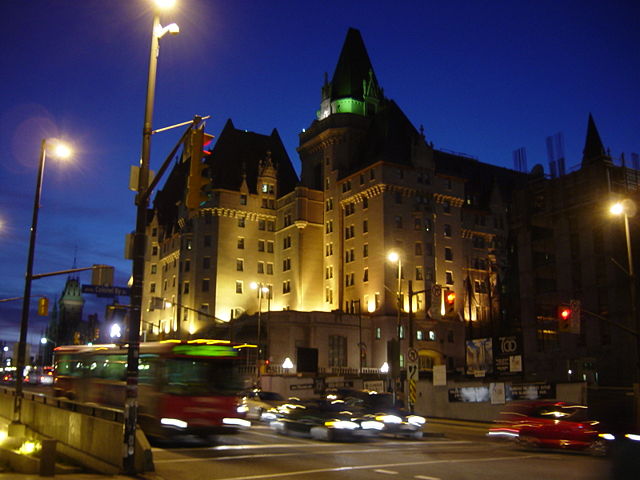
[
  {"x": 412, "y": 376},
  {"x": 101, "y": 291}
]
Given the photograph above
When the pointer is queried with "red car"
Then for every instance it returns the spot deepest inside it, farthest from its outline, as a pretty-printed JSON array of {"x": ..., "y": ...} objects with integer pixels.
[{"x": 551, "y": 424}]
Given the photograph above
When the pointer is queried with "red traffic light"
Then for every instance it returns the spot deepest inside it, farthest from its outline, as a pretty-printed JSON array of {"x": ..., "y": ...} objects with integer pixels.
[{"x": 564, "y": 313}]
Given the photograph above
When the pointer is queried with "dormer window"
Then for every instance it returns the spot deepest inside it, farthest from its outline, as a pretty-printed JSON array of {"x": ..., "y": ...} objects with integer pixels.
[{"x": 267, "y": 188}]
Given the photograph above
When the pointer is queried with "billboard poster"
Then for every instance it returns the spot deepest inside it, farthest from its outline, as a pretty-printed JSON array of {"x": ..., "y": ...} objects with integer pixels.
[
  {"x": 508, "y": 355},
  {"x": 479, "y": 357}
]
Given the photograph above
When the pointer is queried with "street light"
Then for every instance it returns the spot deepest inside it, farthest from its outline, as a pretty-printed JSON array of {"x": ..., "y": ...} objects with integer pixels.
[
  {"x": 59, "y": 150},
  {"x": 627, "y": 208},
  {"x": 262, "y": 289},
  {"x": 139, "y": 241}
]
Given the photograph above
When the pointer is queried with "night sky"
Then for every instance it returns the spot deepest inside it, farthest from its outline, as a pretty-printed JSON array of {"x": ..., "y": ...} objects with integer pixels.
[{"x": 483, "y": 77}]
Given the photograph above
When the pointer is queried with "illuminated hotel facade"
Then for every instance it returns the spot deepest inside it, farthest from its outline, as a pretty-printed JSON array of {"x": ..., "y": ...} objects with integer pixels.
[{"x": 318, "y": 245}]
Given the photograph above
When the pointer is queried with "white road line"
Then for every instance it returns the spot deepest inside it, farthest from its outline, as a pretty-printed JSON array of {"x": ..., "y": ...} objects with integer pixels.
[
  {"x": 424, "y": 477},
  {"x": 251, "y": 447},
  {"x": 387, "y": 472},
  {"x": 373, "y": 467}
]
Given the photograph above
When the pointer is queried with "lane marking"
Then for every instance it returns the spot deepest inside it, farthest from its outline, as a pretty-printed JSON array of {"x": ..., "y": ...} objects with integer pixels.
[
  {"x": 388, "y": 472},
  {"x": 424, "y": 477},
  {"x": 250, "y": 447},
  {"x": 372, "y": 467}
]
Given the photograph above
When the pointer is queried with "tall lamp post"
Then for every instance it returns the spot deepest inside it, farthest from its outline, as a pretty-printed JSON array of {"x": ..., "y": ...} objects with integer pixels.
[
  {"x": 139, "y": 242},
  {"x": 262, "y": 289},
  {"x": 395, "y": 258},
  {"x": 59, "y": 150},
  {"x": 627, "y": 208}
]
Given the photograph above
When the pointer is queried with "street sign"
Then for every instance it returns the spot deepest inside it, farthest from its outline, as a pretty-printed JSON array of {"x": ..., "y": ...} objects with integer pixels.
[
  {"x": 412, "y": 376},
  {"x": 101, "y": 291}
]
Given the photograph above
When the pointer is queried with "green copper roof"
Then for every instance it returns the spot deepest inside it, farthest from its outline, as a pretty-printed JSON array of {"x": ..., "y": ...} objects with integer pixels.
[{"x": 353, "y": 70}]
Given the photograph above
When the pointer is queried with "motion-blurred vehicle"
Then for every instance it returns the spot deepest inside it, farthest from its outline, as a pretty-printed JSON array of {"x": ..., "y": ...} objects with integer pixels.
[
  {"x": 257, "y": 402},
  {"x": 372, "y": 405},
  {"x": 551, "y": 424},
  {"x": 322, "y": 419}
]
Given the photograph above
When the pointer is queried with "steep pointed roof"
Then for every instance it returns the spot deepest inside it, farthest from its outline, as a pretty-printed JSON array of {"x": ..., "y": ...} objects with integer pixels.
[
  {"x": 353, "y": 70},
  {"x": 593, "y": 148}
]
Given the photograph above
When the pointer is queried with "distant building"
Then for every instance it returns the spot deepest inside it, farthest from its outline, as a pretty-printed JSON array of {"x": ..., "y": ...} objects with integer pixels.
[{"x": 571, "y": 249}]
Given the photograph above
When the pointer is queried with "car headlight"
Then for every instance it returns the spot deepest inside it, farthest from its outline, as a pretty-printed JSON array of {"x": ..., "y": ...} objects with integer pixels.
[
  {"x": 389, "y": 419},
  {"x": 341, "y": 424},
  {"x": 243, "y": 408},
  {"x": 607, "y": 436},
  {"x": 416, "y": 420},
  {"x": 372, "y": 425},
  {"x": 633, "y": 436},
  {"x": 173, "y": 422}
]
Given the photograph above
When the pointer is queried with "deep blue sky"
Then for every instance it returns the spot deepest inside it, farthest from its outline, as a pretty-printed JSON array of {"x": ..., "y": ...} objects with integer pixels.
[{"x": 483, "y": 77}]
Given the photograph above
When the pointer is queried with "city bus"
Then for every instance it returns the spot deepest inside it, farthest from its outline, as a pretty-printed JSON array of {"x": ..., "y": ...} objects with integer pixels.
[{"x": 184, "y": 387}]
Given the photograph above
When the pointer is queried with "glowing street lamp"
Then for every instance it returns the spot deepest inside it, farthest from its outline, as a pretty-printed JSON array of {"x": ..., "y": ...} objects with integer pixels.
[
  {"x": 139, "y": 241},
  {"x": 627, "y": 208},
  {"x": 262, "y": 289},
  {"x": 57, "y": 150}
]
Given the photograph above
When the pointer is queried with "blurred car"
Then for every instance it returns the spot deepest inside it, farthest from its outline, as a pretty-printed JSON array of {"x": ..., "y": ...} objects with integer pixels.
[
  {"x": 371, "y": 405},
  {"x": 258, "y": 401},
  {"x": 551, "y": 424},
  {"x": 322, "y": 419}
]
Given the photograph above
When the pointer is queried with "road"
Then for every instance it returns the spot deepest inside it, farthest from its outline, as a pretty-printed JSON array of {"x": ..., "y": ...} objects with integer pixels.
[{"x": 446, "y": 453}]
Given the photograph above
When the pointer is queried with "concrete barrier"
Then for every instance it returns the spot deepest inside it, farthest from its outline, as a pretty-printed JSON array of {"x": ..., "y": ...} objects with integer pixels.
[{"x": 85, "y": 436}]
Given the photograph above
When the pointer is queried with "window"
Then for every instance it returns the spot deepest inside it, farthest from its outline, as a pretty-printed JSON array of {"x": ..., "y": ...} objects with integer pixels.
[
  {"x": 361, "y": 179},
  {"x": 398, "y": 196},
  {"x": 185, "y": 289},
  {"x": 261, "y": 224},
  {"x": 286, "y": 242},
  {"x": 378, "y": 333},
  {"x": 269, "y": 268},
  {"x": 260, "y": 267},
  {"x": 241, "y": 243},
  {"x": 365, "y": 226},
  {"x": 261, "y": 245},
  {"x": 241, "y": 221},
  {"x": 243, "y": 199},
  {"x": 401, "y": 332},
  {"x": 419, "y": 273},
  {"x": 372, "y": 174},
  {"x": 286, "y": 286},
  {"x": 207, "y": 240},
  {"x": 419, "y": 335},
  {"x": 329, "y": 204},
  {"x": 154, "y": 250},
  {"x": 449, "y": 277},
  {"x": 349, "y": 232},
  {"x": 329, "y": 226},
  {"x": 337, "y": 351},
  {"x": 154, "y": 268},
  {"x": 398, "y": 221},
  {"x": 432, "y": 336},
  {"x": 448, "y": 253},
  {"x": 328, "y": 249},
  {"x": 204, "y": 286},
  {"x": 418, "y": 248},
  {"x": 271, "y": 225},
  {"x": 206, "y": 262},
  {"x": 328, "y": 272},
  {"x": 349, "y": 209},
  {"x": 187, "y": 265},
  {"x": 239, "y": 286},
  {"x": 328, "y": 295},
  {"x": 447, "y": 230},
  {"x": 269, "y": 246},
  {"x": 427, "y": 224},
  {"x": 239, "y": 265},
  {"x": 446, "y": 206},
  {"x": 365, "y": 203},
  {"x": 286, "y": 264},
  {"x": 365, "y": 276},
  {"x": 349, "y": 280},
  {"x": 152, "y": 287},
  {"x": 365, "y": 250},
  {"x": 349, "y": 255},
  {"x": 288, "y": 220}
]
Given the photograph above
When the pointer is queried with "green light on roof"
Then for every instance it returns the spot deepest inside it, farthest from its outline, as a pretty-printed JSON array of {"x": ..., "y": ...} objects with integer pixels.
[{"x": 205, "y": 350}]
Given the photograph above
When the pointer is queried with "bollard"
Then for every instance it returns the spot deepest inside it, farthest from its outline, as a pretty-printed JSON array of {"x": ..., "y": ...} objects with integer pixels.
[{"x": 48, "y": 458}]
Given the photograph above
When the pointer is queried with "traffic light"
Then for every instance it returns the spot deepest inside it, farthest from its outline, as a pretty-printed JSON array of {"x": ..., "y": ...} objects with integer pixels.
[
  {"x": 564, "y": 318},
  {"x": 450, "y": 302},
  {"x": 43, "y": 306},
  {"x": 198, "y": 177}
]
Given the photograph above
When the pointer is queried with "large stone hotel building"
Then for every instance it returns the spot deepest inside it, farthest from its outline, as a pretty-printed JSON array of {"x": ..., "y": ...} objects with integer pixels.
[{"x": 475, "y": 256}]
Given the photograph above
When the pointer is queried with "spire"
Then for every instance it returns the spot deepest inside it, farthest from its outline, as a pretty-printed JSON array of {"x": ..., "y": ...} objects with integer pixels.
[
  {"x": 354, "y": 87},
  {"x": 593, "y": 151},
  {"x": 353, "y": 75}
]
